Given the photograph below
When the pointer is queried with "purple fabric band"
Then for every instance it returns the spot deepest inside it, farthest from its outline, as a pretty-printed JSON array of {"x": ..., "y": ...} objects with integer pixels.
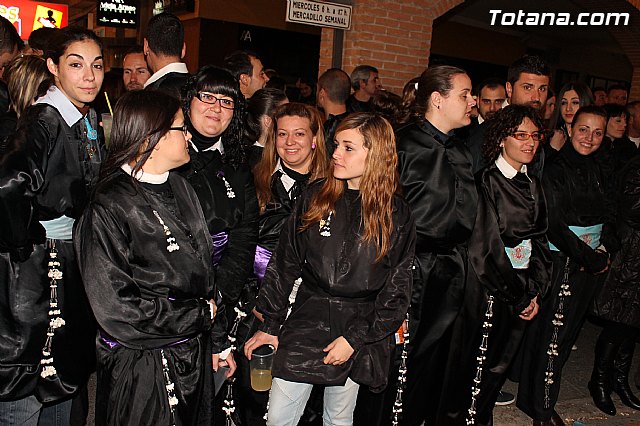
[
  {"x": 220, "y": 241},
  {"x": 260, "y": 262},
  {"x": 113, "y": 343}
]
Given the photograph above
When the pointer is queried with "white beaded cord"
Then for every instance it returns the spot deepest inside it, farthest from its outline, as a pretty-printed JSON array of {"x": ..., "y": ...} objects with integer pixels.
[
  {"x": 55, "y": 317},
  {"x": 557, "y": 322},
  {"x": 171, "y": 241},
  {"x": 481, "y": 358},
  {"x": 402, "y": 376},
  {"x": 170, "y": 386},
  {"x": 325, "y": 225}
]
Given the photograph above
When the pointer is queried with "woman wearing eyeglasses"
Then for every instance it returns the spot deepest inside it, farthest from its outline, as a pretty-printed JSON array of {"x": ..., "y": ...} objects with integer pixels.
[
  {"x": 146, "y": 261},
  {"x": 214, "y": 112},
  {"x": 510, "y": 257},
  {"x": 579, "y": 207}
]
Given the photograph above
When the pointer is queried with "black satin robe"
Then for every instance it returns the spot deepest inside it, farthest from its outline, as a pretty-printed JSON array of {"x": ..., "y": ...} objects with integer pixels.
[
  {"x": 251, "y": 404},
  {"x": 509, "y": 211},
  {"x": 45, "y": 172},
  {"x": 576, "y": 191},
  {"x": 149, "y": 299},
  {"x": 237, "y": 216},
  {"x": 619, "y": 300},
  {"x": 435, "y": 172},
  {"x": 343, "y": 293}
]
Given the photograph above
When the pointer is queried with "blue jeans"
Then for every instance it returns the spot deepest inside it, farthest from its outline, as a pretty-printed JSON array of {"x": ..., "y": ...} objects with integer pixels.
[
  {"x": 30, "y": 412},
  {"x": 288, "y": 399}
]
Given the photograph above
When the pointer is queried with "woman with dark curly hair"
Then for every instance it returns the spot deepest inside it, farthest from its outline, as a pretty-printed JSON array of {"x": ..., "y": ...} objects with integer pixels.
[
  {"x": 214, "y": 113},
  {"x": 510, "y": 256}
]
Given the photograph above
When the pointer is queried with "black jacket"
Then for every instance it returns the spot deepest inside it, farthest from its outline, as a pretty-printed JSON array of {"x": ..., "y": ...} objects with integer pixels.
[
  {"x": 436, "y": 178},
  {"x": 343, "y": 293},
  {"x": 47, "y": 171},
  {"x": 171, "y": 84}
]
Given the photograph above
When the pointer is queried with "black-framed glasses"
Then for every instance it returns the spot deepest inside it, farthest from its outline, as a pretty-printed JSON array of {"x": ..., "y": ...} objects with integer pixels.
[
  {"x": 523, "y": 136},
  {"x": 208, "y": 98},
  {"x": 182, "y": 128}
]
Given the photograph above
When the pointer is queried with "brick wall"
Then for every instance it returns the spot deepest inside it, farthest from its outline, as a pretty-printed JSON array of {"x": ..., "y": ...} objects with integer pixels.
[
  {"x": 392, "y": 35},
  {"x": 395, "y": 37}
]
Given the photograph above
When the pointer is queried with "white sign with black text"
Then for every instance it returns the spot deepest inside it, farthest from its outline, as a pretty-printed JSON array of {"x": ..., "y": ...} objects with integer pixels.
[{"x": 320, "y": 14}]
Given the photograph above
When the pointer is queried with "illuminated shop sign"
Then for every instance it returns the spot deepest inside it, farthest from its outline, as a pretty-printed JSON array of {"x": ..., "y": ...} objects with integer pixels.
[
  {"x": 117, "y": 13},
  {"x": 27, "y": 16}
]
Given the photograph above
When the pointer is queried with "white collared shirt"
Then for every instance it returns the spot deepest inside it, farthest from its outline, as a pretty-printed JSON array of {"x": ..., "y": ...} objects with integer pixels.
[
  {"x": 59, "y": 101},
  {"x": 141, "y": 176},
  {"x": 635, "y": 141},
  {"x": 218, "y": 145},
  {"x": 287, "y": 181},
  {"x": 507, "y": 169},
  {"x": 178, "y": 67}
]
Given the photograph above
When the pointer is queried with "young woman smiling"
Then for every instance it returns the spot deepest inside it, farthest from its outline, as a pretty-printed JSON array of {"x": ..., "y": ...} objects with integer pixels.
[
  {"x": 294, "y": 155},
  {"x": 509, "y": 253},
  {"x": 351, "y": 238},
  {"x": 46, "y": 174},
  {"x": 579, "y": 206}
]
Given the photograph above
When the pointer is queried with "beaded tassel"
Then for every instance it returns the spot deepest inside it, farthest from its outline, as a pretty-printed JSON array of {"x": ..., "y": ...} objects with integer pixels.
[
  {"x": 481, "y": 358},
  {"x": 557, "y": 322},
  {"x": 325, "y": 226},
  {"x": 171, "y": 241},
  {"x": 171, "y": 394},
  {"x": 402, "y": 376},
  {"x": 231, "y": 336},
  {"x": 230, "y": 193},
  {"x": 55, "y": 318},
  {"x": 229, "y": 405}
]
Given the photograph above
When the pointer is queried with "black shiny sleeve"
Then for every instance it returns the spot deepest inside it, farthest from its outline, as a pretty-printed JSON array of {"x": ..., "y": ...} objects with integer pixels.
[
  {"x": 22, "y": 170},
  {"x": 121, "y": 306},
  {"x": 284, "y": 268},
  {"x": 559, "y": 233},
  {"x": 488, "y": 257},
  {"x": 392, "y": 302},
  {"x": 236, "y": 264},
  {"x": 539, "y": 271}
]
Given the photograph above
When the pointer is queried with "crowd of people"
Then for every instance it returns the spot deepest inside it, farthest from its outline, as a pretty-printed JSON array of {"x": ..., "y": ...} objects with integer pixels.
[{"x": 403, "y": 255}]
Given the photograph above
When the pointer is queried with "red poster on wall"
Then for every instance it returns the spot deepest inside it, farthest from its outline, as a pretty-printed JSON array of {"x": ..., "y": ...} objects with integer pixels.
[{"x": 27, "y": 16}]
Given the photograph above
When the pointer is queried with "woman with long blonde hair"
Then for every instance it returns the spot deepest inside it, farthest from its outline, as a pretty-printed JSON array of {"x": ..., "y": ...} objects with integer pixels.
[{"x": 351, "y": 239}]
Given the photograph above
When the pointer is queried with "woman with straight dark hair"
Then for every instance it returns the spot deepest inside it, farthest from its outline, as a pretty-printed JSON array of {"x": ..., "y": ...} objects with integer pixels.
[
  {"x": 214, "y": 109},
  {"x": 571, "y": 97},
  {"x": 351, "y": 240},
  {"x": 260, "y": 108},
  {"x": 146, "y": 259},
  {"x": 214, "y": 113},
  {"x": 436, "y": 178},
  {"x": 579, "y": 207},
  {"x": 46, "y": 174}
]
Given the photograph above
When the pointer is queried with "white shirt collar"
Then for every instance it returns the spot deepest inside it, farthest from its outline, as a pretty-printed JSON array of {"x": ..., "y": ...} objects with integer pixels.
[
  {"x": 507, "y": 169},
  {"x": 179, "y": 67},
  {"x": 59, "y": 101},
  {"x": 287, "y": 181},
  {"x": 146, "y": 177},
  {"x": 480, "y": 119},
  {"x": 218, "y": 145}
]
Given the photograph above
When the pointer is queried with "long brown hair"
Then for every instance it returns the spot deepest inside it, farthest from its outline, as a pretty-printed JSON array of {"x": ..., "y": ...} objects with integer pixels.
[
  {"x": 379, "y": 183},
  {"x": 263, "y": 171}
]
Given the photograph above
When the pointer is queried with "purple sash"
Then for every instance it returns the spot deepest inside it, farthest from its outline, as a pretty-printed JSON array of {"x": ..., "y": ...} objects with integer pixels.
[
  {"x": 113, "y": 343},
  {"x": 260, "y": 262},
  {"x": 220, "y": 241}
]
